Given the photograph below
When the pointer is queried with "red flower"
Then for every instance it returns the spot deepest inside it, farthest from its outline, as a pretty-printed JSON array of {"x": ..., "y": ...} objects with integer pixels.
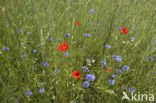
[
  {"x": 63, "y": 47},
  {"x": 124, "y": 30},
  {"x": 76, "y": 74},
  {"x": 108, "y": 70},
  {"x": 78, "y": 23}
]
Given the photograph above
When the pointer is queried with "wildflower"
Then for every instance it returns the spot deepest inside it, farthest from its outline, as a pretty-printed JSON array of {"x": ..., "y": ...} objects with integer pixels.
[
  {"x": 97, "y": 24},
  {"x": 52, "y": 25},
  {"x": 63, "y": 47},
  {"x": 29, "y": 93},
  {"x": 87, "y": 35},
  {"x": 66, "y": 54},
  {"x": 19, "y": 30},
  {"x": 34, "y": 51},
  {"x": 50, "y": 38},
  {"x": 28, "y": 33},
  {"x": 132, "y": 89},
  {"x": 119, "y": 28},
  {"x": 132, "y": 38},
  {"x": 111, "y": 81},
  {"x": 86, "y": 84},
  {"x": 5, "y": 48},
  {"x": 56, "y": 71},
  {"x": 103, "y": 63},
  {"x": 42, "y": 62},
  {"x": 118, "y": 58},
  {"x": 155, "y": 42},
  {"x": 85, "y": 68},
  {"x": 125, "y": 87},
  {"x": 154, "y": 73},
  {"x": 90, "y": 77},
  {"x": 108, "y": 70},
  {"x": 114, "y": 76},
  {"x": 124, "y": 30},
  {"x": 92, "y": 60},
  {"x": 91, "y": 10},
  {"x": 34, "y": 65},
  {"x": 108, "y": 46},
  {"x": 113, "y": 56},
  {"x": 78, "y": 23},
  {"x": 149, "y": 58},
  {"x": 23, "y": 56},
  {"x": 125, "y": 68},
  {"x": 76, "y": 74},
  {"x": 118, "y": 71},
  {"x": 46, "y": 64},
  {"x": 67, "y": 35},
  {"x": 41, "y": 90},
  {"x": 22, "y": 44},
  {"x": 90, "y": 22},
  {"x": 133, "y": 28},
  {"x": 39, "y": 45}
]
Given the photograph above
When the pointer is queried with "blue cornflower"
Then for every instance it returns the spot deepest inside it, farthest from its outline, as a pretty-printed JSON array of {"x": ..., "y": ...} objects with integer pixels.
[
  {"x": 90, "y": 22},
  {"x": 28, "y": 33},
  {"x": 22, "y": 44},
  {"x": 108, "y": 46},
  {"x": 67, "y": 35},
  {"x": 111, "y": 81},
  {"x": 50, "y": 38},
  {"x": 91, "y": 10},
  {"x": 39, "y": 45},
  {"x": 19, "y": 30},
  {"x": 90, "y": 77},
  {"x": 149, "y": 58},
  {"x": 41, "y": 90},
  {"x": 133, "y": 28},
  {"x": 118, "y": 58},
  {"x": 132, "y": 89},
  {"x": 42, "y": 62},
  {"x": 52, "y": 25},
  {"x": 66, "y": 54},
  {"x": 118, "y": 71},
  {"x": 103, "y": 63},
  {"x": 46, "y": 64},
  {"x": 35, "y": 51},
  {"x": 113, "y": 56},
  {"x": 119, "y": 28},
  {"x": 87, "y": 35},
  {"x": 125, "y": 68},
  {"x": 132, "y": 38},
  {"x": 97, "y": 24},
  {"x": 86, "y": 84},
  {"x": 70, "y": 0},
  {"x": 155, "y": 42},
  {"x": 5, "y": 48},
  {"x": 34, "y": 65},
  {"x": 125, "y": 87},
  {"x": 154, "y": 73},
  {"x": 29, "y": 93},
  {"x": 114, "y": 76},
  {"x": 85, "y": 68},
  {"x": 23, "y": 56},
  {"x": 56, "y": 71}
]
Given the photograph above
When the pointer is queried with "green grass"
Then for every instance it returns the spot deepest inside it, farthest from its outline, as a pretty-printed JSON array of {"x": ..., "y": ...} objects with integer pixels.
[{"x": 36, "y": 17}]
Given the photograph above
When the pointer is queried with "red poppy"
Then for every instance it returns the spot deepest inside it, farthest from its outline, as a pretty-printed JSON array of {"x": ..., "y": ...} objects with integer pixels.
[
  {"x": 76, "y": 74},
  {"x": 107, "y": 70},
  {"x": 124, "y": 30},
  {"x": 63, "y": 47},
  {"x": 78, "y": 23}
]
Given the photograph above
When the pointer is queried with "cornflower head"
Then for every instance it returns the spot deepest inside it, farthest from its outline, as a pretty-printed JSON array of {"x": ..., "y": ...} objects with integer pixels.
[
  {"x": 108, "y": 46},
  {"x": 86, "y": 84},
  {"x": 5, "y": 48},
  {"x": 29, "y": 93},
  {"x": 125, "y": 68},
  {"x": 103, "y": 63},
  {"x": 85, "y": 68},
  {"x": 41, "y": 90},
  {"x": 111, "y": 81},
  {"x": 91, "y": 10},
  {"x": 90, "y": 77},
  {"x": 118, "y": 71},
  {"x": 67, "y": 35}
]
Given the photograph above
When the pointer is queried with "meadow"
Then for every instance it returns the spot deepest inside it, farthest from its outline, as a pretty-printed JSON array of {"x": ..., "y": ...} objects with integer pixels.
[{"x": 77, "y": 51}]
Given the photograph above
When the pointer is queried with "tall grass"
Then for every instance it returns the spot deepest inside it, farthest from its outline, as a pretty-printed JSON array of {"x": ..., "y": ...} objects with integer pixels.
[{"x": 36, "y": 16}]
